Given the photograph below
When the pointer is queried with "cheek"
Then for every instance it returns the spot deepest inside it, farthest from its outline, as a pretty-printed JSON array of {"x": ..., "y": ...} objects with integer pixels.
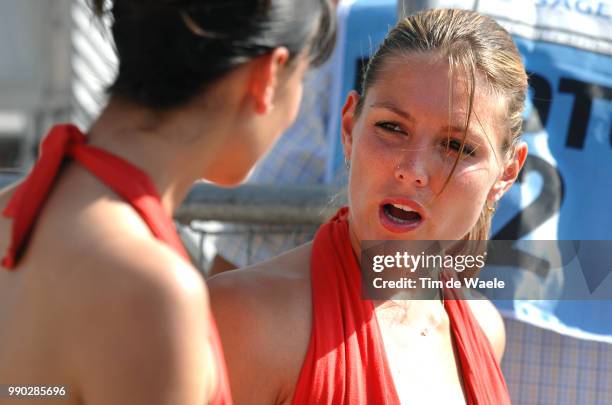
[
  {"x": 294, "y": 102},
  {"x": 371, "y": 171},
  {"x": 462, "y": 202},
  {"x": 291, "y": 96},
  {"x": 224, "y": 174},
  {"x": 371, "y": 164},
  {"x": 284, "y": 114},
  {"x": 372, "y": 154}
]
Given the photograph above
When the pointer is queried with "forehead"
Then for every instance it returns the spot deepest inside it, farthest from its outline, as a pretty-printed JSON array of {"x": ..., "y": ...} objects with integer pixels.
[{"x": 423, "y": 85}]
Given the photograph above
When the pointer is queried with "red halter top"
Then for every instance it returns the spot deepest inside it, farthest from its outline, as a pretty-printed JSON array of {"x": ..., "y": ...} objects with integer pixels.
[
  {"x": 128, "y": 181},
  {"x": 346, "y": 362}
]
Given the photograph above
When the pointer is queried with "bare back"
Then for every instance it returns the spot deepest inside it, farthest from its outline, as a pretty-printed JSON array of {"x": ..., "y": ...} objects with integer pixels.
[{"x": 83, "y": 309}]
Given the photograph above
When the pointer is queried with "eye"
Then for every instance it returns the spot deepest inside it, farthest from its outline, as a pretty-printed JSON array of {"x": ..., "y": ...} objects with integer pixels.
[
  {"x": 455, "y": 145},
  {"x": 390, "y": 126}
]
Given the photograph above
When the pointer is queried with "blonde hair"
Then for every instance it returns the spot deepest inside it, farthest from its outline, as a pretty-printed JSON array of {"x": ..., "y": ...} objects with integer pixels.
[{"x": 473, "y": 44}]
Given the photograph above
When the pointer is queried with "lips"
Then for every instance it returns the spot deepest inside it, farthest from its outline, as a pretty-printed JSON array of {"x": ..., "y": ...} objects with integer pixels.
[
  {"x": 400, "y": 216},
  {"x": 401, "y": 213}
]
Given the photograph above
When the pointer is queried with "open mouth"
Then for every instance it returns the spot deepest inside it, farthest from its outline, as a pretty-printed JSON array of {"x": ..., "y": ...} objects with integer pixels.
[
  {"x": 402, "y": 215},
  {"x": 399, "y": 218}
]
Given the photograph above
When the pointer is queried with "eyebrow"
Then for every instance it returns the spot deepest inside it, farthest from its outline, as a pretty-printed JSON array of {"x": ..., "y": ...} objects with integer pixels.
[
  {"x": 392, "y": 107},
  {"x": 473, "y": 135}
]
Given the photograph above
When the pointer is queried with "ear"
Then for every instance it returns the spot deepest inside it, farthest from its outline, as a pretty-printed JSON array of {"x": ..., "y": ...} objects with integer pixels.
[
  {"x": 348, "y": 122},
  {"x": 264, "y": 78},
  {"x": 509, "y": 174}
]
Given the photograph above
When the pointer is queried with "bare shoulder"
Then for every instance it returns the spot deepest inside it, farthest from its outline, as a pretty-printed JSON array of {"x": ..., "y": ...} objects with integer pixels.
[
  {"x": 492, "y": 324},
  {"x": 140, "y": 326},
  {"x": 130, "y": 315},
  {"x": 140, "y": 275},
  {"x": 266, "y": 291},
  {"x": 263, "y": 314},
  {"x": 265, "y": 285}
]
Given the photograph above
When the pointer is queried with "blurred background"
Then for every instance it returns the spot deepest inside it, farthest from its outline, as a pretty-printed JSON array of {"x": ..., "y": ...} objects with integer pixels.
[{"x": 54, "y": 63}]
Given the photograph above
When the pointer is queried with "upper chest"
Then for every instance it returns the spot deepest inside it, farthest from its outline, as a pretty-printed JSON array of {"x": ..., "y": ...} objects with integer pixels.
[{"x": 422, "y": 358}]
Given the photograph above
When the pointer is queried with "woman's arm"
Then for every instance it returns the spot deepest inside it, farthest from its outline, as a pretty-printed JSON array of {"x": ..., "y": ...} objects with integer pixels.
[
  {"x": 264, "y": 317},
  {"x": 249, "y": 335}
]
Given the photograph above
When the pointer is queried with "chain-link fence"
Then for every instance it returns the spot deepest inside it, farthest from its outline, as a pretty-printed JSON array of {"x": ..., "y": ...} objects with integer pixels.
[{"x": 249, "y": 213}]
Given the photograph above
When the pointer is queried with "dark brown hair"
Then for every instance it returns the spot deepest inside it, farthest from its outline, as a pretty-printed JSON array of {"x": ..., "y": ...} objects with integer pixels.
[{"x": 171, "y": 50}]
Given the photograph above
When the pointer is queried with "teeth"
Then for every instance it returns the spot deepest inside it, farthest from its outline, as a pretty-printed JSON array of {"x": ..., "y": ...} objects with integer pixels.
[{"x": 403, "y": 208}]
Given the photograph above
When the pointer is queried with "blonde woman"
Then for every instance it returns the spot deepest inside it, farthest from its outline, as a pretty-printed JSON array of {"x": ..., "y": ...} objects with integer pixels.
[{"x": 431, "y": 145}]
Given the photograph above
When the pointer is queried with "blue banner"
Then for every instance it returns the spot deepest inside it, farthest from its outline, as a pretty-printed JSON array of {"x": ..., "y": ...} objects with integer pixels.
[{"x": 565, "y": 190}]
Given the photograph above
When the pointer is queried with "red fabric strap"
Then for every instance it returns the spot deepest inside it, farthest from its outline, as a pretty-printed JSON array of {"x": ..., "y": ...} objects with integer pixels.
[
  {"x": 128, "y": 181},
  {"x": 346, "y": 361},
  {"x": 484, "y": 382}
]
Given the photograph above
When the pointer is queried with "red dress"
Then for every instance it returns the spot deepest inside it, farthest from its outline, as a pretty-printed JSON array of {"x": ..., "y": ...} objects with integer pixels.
[
  {"x": 129, "y": 182},
  {"x": 346, "y": 361}
]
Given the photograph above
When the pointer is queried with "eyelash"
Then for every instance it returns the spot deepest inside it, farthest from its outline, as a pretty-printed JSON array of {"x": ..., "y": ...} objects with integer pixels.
[
  {"x": 389, "y": 126},
  {"x": 453, "y": 144},
  {"x": 456, "y": 146}
]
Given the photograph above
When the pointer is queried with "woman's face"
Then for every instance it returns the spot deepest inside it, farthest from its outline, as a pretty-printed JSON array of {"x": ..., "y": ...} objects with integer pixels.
[
  {"x": 402, "y": 147},
  {"x": 274, "y": 95}
]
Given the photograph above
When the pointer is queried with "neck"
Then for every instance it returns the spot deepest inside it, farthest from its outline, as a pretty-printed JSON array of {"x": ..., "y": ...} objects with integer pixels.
[
  {"x": 409, "y": 312},
  {"x": 170, "y": 146},
  {"x": 418, "y": 290}
]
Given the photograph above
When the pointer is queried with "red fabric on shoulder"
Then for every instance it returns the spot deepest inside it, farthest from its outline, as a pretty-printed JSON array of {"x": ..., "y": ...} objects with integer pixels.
[
  {"x": 31, "y": 194},
  {"x": 484, "y": 382},
  {"x": 125, "y": 179},
  {"x": 346, "y": 361}
]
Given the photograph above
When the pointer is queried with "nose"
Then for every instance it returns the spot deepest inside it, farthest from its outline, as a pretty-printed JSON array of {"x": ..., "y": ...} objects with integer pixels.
[{"x": 412, "y": 168}]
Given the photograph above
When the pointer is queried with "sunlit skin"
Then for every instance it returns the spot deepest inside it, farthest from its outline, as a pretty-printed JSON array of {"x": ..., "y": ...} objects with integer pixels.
[
  {"x": 401, "y": 147},
  {"x": 276, "y": 92},
  {"x": 97, "y": 303}
]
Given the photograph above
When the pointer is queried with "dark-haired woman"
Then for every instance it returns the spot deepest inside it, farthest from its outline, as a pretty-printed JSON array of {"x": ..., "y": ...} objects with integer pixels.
[{"x": 97, "y": 296}]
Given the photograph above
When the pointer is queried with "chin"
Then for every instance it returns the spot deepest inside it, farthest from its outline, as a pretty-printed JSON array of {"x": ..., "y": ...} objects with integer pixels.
[{"x": 228, "y": 179}]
